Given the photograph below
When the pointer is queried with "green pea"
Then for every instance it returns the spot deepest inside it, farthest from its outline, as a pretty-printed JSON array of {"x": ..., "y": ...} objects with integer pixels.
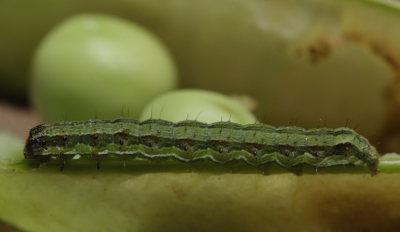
[
  {"x": 200, "y": 105},
  {"x": 94, "y": 65}
]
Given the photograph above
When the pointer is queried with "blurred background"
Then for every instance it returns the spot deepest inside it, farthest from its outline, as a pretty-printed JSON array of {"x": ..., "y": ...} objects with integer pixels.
[{"x": 310, "y": 63}]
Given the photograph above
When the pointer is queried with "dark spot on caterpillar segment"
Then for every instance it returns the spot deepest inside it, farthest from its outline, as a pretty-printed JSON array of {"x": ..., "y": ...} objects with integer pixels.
[{"x": 256, "y": 145}]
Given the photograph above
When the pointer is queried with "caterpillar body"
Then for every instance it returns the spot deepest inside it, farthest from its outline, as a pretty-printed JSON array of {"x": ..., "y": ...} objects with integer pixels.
[{"x": 188, "y": 141}]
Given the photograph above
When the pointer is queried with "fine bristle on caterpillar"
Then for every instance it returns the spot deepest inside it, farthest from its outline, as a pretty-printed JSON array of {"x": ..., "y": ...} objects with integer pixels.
[{"x": 256, "y": 145}]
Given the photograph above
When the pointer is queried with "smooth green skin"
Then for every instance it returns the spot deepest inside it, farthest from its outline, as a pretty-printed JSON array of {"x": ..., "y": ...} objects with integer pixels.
[
  {"x": 199, "y": 105},
  {"x": 93, "y": 65},
  {"x": 259, "y": 48}
]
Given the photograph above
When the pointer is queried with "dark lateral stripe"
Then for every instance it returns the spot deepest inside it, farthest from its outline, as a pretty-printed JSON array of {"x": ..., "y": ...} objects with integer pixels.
[
  {"x": 101, "y": 140},
  {"x": 192, "y": 136}
]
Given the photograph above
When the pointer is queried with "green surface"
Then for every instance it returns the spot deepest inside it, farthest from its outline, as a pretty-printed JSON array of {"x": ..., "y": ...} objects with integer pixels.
[
  {"x": 10, "y": 149},
  {"x": 173, "y": 197}
]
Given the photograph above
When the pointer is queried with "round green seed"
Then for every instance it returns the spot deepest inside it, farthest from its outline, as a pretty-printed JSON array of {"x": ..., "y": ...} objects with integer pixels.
[
  {"x": 200, "y": 105},
  {"x": 99, "y": 66}
]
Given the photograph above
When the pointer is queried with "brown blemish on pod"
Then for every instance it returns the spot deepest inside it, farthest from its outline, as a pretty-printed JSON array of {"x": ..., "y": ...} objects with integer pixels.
[
  {"x": 350, "y": 202},
  {"x": 179, "y": 193},
  {"x": 321, "y": 49}
]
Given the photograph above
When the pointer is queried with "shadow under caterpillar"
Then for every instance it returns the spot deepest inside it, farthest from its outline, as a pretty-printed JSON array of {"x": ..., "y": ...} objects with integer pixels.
[{"x": 256, "y": 145}]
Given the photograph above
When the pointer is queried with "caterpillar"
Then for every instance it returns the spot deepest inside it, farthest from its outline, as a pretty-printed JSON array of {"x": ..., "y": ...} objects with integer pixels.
[{"x": 188, "y": 141}]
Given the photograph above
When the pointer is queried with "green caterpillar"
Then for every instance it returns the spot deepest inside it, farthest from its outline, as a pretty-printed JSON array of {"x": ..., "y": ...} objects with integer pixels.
[{"x": 222, "y": 142}]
